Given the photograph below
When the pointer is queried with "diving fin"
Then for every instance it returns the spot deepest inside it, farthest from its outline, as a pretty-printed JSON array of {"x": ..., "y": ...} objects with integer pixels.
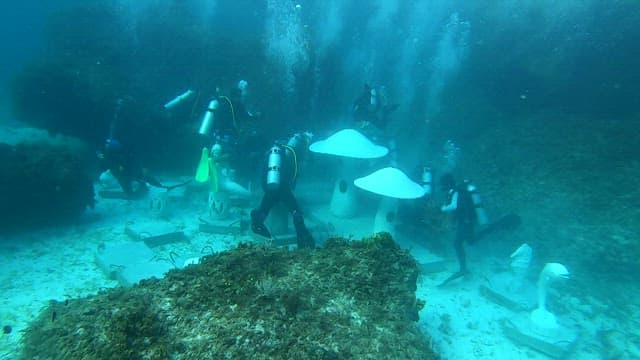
[
  {"x": 171, "y": 187},
  {"x": 454, "y": 276},
  {"x": 260, "y": 229},
  {"x": 202, "y": 174}
]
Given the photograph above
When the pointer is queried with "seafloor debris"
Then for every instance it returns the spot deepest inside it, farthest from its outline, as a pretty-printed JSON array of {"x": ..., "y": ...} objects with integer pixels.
[{"x": 348, "y": 300}]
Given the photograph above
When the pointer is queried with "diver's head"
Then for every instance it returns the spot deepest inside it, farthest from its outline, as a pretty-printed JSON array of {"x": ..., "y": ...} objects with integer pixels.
[
  {"x": 447, "y": 182},
  {"x": 242, "y": 87},
  {"x": 300, "y": 140},
  {"x": 112, "y": 144}
]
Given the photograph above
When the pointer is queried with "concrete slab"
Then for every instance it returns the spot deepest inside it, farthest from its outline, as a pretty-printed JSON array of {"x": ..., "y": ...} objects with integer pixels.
[
  {"x": 155, "y": 233},
  {"x": 233, "y": 226},
  {"x": 557, "y": 344},
  {"x": 128, "y": 263},
  {"x": 428, "y": 262},
  {"x": 510, "y": 292}
]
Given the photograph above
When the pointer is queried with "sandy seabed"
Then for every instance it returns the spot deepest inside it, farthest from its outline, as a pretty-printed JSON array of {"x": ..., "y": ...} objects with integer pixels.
[{"x": 59, "y": 263}]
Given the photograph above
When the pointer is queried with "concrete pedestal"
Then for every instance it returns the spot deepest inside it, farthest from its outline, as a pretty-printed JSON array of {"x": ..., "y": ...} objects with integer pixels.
[{"x": 557, "y": 344}]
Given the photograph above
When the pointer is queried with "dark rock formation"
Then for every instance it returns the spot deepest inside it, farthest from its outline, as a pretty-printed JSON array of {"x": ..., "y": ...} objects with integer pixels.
[{"x": 42, "y": 183}]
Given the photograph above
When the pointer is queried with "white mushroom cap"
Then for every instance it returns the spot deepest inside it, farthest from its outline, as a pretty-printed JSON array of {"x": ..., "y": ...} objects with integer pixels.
[
  {"x": 349, "y": 143},
  {"x": 390, "y": 182}
]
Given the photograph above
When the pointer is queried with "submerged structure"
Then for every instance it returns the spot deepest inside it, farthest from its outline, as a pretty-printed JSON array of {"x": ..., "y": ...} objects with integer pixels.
[{"x": 348, "y": 300}]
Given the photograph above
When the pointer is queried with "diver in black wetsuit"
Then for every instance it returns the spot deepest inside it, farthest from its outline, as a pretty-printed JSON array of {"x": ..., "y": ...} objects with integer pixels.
[
  {"x": 464, "y": 214},
  {"x": 124, "y": 166},
  {"x": 228, "y": 122},
  {"x": 371, "y": 111},
  {"x": 278, "y": 184},
  {"x": 131, "y": 176}
]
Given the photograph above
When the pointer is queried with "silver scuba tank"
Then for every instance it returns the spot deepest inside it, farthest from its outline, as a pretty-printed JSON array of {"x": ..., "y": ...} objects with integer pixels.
[
  {"x": 273, "y": 167},
  {"x": 481, "y": 214},
  {"x": 373, "y": 98},
  {"x": 208, "y": 119},
  {"x": 426, "y": 180},
  {"x": 179, "y": 99}
]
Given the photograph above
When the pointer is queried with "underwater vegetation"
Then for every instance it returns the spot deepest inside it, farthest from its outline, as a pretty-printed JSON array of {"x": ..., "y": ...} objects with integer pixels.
[
  {"x": 348, "y": 300},
  {"x": 42, "y": 183}
]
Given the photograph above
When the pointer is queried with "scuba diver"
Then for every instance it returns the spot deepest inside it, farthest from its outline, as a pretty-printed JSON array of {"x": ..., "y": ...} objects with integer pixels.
[
  {"x": 125, "y": 168},
  {"x": 461, "y": 204},
  {"x": 371, "y": 110},
  {"x": 278, "y": 183},
  {"x": 228, "y": 123},
  {"x": 465, "y": 203}
]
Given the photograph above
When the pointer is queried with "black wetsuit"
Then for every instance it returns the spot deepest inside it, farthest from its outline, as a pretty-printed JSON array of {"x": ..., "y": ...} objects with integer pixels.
[
  {"x": 282, "y": 193},
  {"x": 130, "y": 175},
  {"x": 465, "y": 219}
]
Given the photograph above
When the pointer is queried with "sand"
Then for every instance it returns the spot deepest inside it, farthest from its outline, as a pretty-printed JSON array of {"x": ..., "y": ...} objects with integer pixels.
[{"x": 59, "y": 263}]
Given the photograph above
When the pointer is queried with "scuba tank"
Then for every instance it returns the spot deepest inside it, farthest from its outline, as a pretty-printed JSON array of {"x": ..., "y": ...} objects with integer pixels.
[
  {"x": 373, "y": 98},
  {"x": 481, "y": 214},
  {"x": 179, "y": 99},
  {"x": 274, "y": 164},
  {"x": 207, "y": 120},
  {"x": 426, "y": 180}
]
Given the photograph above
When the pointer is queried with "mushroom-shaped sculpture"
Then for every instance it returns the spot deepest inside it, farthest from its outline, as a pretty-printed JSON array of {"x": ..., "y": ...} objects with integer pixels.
[
  {"x": 392, "y": 184},
  {"x": 348, "y": 144}
]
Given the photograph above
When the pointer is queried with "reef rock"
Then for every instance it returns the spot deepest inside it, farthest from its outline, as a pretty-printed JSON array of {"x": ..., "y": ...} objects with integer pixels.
[{"x": 348, "y": 300}]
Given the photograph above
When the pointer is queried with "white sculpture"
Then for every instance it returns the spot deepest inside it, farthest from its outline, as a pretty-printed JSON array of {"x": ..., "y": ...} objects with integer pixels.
[
  {"x": 541, "y": 317},
  {"x": 347, "y": 144},
  {"x": 392, "y": 184},
  {"x": 520, "y": 262}
]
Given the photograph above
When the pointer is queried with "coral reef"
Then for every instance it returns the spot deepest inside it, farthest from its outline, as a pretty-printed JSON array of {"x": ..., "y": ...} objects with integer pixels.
[
  {"x": 42, "y": 182},
  {"x": 348, "y": 300}
]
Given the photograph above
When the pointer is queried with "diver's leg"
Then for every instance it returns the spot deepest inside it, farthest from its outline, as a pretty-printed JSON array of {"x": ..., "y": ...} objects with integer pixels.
[
  {"x": 258, "y": 215},
  {"x": 125, "y": 183},
  {"x": 304, "y": 238},
  {"x": 462, "y": 234},
  {"x": 458, "y": 244}
]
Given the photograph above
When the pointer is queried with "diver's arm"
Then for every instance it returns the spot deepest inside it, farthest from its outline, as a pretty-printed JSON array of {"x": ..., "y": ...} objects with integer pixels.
[{"x": 452, "y": 205}]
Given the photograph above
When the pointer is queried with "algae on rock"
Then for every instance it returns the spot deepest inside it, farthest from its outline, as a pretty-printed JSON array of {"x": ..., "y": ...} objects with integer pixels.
[{"x": 348, "y": 300}]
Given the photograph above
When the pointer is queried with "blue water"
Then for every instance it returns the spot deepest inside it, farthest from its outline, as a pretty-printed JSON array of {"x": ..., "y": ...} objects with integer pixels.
[{"x": 536, "y": 100}]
